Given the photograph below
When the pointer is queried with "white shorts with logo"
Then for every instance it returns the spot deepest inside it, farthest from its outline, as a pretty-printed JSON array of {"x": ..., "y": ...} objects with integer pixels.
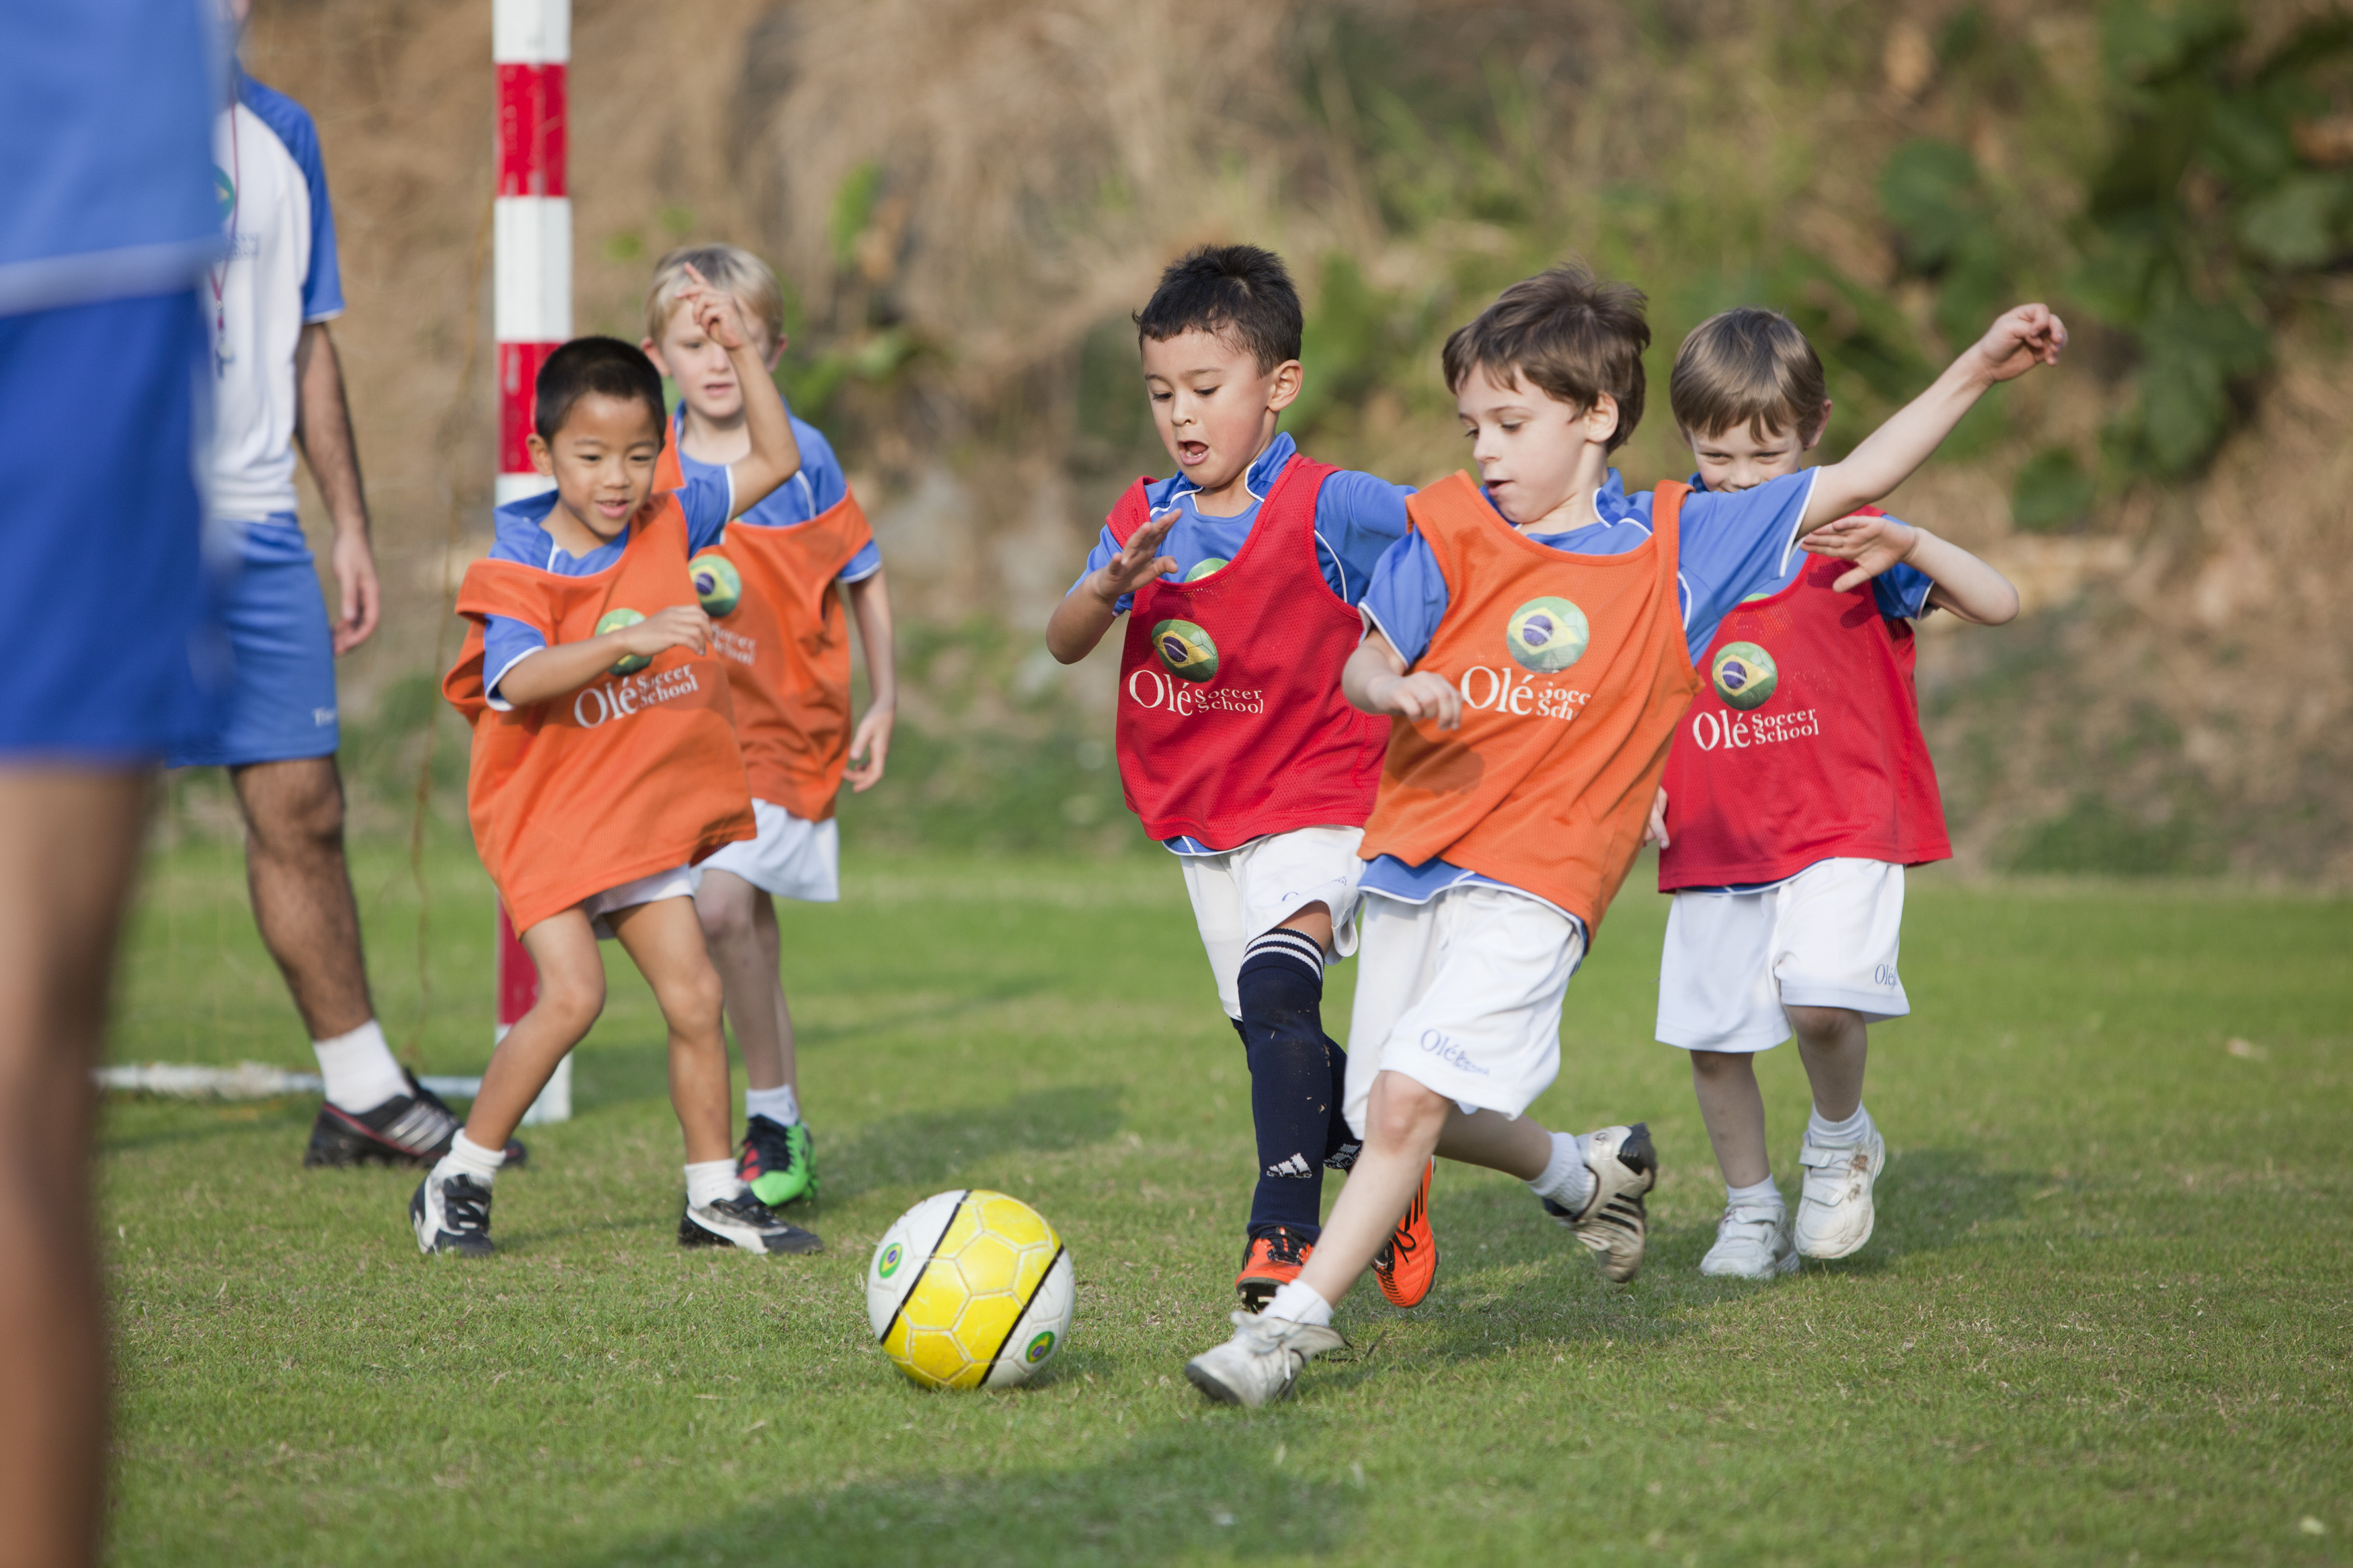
[
  {"x": 1462, "y": 994},
  {"x": 678, "y": 882},
  {"x": 793, "y": 857},
  {"x": 1825, "y": 937},
  {"x": 1247, "y": 891}
]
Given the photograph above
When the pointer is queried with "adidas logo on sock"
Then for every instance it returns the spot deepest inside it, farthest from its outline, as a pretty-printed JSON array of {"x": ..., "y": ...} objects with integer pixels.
[{"x": 1296, "y": 1165}]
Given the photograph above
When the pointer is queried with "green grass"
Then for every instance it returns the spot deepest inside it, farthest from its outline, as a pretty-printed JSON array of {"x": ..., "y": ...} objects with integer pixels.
[{"x": 2105, "y": 1318}]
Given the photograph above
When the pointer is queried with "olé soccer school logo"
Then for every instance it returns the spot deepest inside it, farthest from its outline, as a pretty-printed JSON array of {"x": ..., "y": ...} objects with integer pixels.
[
  {"x": 1546, "y": 634},
  {"x": 613, "y": 621},
  {"x": 1208, "y": 567},
  {"x": 717, "y": 583},
  {"x": 1745, "y": 674},
  {"x": 1186, "y": 650}
]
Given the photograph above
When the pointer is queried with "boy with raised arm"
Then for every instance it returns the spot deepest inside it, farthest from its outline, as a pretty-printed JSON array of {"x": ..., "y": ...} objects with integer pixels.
[
  {"x": 774, "y": 588},
  {"x": 605, "y": 762},
  {"x": 1798, "y": 789},
  {"x": 1533, "y": 639},
  {"x": 1239, "y": 577}
]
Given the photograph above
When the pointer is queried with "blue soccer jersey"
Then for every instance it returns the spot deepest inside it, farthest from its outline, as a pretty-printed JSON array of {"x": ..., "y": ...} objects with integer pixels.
[{"x": 522, "y": 537}]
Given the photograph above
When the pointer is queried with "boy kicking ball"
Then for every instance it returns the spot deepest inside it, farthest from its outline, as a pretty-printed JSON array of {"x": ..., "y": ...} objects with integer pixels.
[
  {"x": 1798, "y": 789},
  {"x": 1534, "y": 639},
  {"x": 605, "y": 761},
  {"x": 777, "y": 586}
]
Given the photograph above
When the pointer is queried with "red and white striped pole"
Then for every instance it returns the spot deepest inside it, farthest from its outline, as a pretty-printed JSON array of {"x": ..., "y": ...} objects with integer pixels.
[{"x": 531, "y": 43}]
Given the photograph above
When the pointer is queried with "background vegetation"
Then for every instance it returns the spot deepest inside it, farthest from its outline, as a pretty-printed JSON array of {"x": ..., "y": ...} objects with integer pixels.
[{"x": 963, "y": 249}]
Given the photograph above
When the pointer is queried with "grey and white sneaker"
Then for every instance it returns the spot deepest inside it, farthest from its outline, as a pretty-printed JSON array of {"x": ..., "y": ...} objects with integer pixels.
[
  {"x": 1751, "y": 1244},
  {"x": 1260, "y": 1364},
  {"x": 451, "y": 1215},
  {"x": 1834, "y": 1213},
  {"x": 1613, "y": 1222},
  {"x": 743, "y": 1221}
]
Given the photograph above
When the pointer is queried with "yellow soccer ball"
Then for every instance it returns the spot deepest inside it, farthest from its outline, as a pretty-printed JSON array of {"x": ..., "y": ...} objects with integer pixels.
[{"x": 970, "y": 1290}]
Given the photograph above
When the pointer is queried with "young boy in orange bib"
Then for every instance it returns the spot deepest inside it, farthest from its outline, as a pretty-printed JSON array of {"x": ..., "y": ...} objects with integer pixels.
[
  {"x": 605, "y": 762},
  {"x": 1798, "y": 789},
  {"x": 774, "y": 588},
  {"x": 1532, "y": 640}
]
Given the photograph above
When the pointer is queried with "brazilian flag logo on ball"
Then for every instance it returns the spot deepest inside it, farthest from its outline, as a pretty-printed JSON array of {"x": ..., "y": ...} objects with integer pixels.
[
  {"x": 717, "y": 583},
  {"x": 1546, "y": 634},
  {"x": 1745, "y": 674},
  {"x": 1186, "y": 650},
  {"x": 613, "y": 621}
]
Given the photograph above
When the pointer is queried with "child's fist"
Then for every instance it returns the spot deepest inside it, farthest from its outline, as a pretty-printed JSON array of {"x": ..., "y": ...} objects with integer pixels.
[
  {"x": 1424, "y": 696},
  {"x": 2023, "y": 338},
  {"x": 680, "y": 625}
]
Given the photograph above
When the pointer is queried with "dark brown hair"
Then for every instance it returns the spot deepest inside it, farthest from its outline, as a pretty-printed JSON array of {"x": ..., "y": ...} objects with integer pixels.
[
  {"x": 1238, "y": 291},
  {"x": 1572, "y": 335},
  {"x": 604, "y": 366},
  {"x": 1749, "y": 367}
]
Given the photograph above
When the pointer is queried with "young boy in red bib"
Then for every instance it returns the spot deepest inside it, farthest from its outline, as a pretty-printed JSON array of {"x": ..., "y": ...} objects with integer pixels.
[
  {"x": 1239, "y": 577},
  {"x": 1532, "y": 640},
  {"x": 774, "y": 588},
  {"x": 1798, "y": 789},
  {"x": 605, "y": 762}
]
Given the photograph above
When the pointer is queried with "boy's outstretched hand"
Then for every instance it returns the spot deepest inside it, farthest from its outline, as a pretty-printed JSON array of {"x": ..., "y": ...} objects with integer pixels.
[
  {"x": 1872, "y": 543},
  {"x": 714, "y": 311},
  {"x": 1138, "y": 563},
  {"x": 2023, "y": 337}
]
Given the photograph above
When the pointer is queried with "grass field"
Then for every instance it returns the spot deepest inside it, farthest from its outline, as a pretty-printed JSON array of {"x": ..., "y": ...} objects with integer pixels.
[{"x": 2108, "y": 1316}]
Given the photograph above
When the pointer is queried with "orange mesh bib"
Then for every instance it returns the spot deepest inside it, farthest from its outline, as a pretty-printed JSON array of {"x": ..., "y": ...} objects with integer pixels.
[
  {"x": 785, "y": 644},
  {"x": 1574, "y": 674},
  {"x": 630, "y": 774}
]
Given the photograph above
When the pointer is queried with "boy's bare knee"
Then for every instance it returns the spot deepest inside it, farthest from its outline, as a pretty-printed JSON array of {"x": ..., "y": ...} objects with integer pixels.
[
  {"x": 726, "y": 921},
  {"x": 1823, "y": 1026},
  {"x": 1405, "y": 1113},
  {"x": 1716, "y": 1064}
]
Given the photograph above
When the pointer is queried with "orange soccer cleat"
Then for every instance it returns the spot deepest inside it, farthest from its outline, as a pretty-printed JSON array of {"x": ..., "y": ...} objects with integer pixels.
[
  {"x": 1410, "y": 1262},
  {"x": 1271, "y": 1262}
]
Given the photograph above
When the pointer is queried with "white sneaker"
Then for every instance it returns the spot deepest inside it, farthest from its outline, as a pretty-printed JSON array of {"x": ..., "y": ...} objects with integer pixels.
[
  {"x": 1834, "y": 1213},
  {"x": 742, "y": 1221},
  {"x": 1258, "y": 1365},
  {"x": 1613, "y": 1222},
  {"x": 1751, "y": 1244}
]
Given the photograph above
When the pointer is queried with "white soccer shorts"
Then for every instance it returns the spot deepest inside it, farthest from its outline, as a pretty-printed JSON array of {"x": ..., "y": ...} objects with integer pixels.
[
  {"x": 678, "y": 882},
  {"x": 1462, "y": 994},
  {"x": 1826, "y": 938},
  {"x": 793, "y": 857},
  {"x": 1248, "y": 891}
]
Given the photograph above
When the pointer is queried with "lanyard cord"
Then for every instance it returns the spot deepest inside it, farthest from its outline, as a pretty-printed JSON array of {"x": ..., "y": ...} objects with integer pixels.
[{"x": 218, "y": 275}]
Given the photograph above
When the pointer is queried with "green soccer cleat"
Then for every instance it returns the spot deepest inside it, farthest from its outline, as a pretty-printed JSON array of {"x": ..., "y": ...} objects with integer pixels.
[{"x": 778, "y": 1162}]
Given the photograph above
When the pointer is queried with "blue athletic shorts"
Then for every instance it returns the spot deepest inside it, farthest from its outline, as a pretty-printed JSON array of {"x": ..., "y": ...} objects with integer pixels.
[
  {"x": 100, "y": 587},
  {"x": 279, "y": 696}
]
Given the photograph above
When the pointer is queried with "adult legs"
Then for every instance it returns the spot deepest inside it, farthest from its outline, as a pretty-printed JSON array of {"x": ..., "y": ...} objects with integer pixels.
[
  {"x": 69, "y": 844},
  {"x": 302, "y": 888}
]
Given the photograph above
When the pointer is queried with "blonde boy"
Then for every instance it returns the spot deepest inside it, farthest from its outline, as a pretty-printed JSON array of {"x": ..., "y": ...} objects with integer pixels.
[
  {"x": 774, "y": 588},
  {"x": 1798, "y": 789},
  {"x": 1532, "y": 640}
]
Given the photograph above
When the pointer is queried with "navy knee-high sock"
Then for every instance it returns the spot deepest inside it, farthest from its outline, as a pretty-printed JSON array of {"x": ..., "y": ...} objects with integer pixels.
[{"x": 1296, "y": 1077}]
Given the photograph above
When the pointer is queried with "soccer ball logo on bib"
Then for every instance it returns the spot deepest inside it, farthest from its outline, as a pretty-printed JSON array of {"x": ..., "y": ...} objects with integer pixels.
[
  {"x": 1546, "y": 634},
  {"x": 1186, "y": 650},
  {"x": 613, "y": 621},
  {"x": 1745, "y": 674},
  {"x": 717, "y": 583},
  {"x": 1210, "y": 566}
]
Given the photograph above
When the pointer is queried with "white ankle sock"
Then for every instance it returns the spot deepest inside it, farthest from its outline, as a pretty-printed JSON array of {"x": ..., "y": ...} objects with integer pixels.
[
  {"x": 468, "y": 1158},
  {"x": 1851, "y": 1130},
  {"x": 1567, "y": 1180},
  {"x": 1762, "y": 1196},
  {"x": 1300, "y": 1304},
  {"x": 712, "y": 1180},
  {"x": 359, "y": 1068},
  {"x": 781, "y": 1106}
]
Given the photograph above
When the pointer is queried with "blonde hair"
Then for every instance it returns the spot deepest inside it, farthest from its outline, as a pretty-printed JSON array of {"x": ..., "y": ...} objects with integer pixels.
[
  {"x": 727, "y": 267},
  {"x": 1749, "y": 367}
]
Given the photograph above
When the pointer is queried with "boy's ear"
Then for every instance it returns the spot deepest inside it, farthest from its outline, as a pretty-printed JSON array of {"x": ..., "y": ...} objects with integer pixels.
[
  {"x": 1288, "y": 377},
  {"x": 1821, "y": 429},
  {"x": 653, "y": 352},
  {"x": 774, "y": 355},
  {"x": 542, "y": 457},
  {"x": 1601, "y": 421}
]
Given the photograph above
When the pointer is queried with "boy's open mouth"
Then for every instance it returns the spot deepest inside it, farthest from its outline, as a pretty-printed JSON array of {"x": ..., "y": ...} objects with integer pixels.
[{"x": 1191, "y": 452}]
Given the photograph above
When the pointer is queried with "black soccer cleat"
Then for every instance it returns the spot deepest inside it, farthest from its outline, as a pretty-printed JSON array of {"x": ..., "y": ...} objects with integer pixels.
[
  {"x": 412, "y": 1129},
  {"x": 745, "y": 1222},
  {"x": 451, "y": 1215}
]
